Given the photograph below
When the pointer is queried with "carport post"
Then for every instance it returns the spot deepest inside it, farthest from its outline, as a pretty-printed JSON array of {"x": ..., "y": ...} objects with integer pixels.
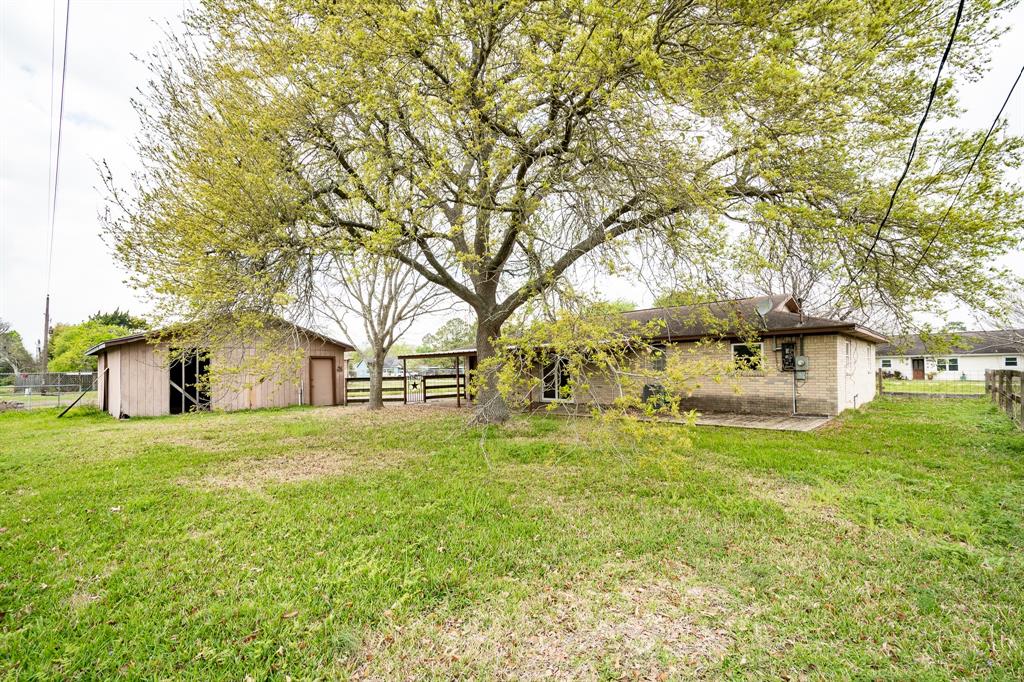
[
  {"x": 405, "y": 383},
  {"x": 458, "y": 391}
]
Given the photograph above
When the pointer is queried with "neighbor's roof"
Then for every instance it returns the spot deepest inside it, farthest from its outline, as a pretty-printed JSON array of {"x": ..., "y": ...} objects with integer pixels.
[
  {"x": 724, "y": 319},
  {"x": 143, "y": 336},
  {"x": 995, "y": 342}
]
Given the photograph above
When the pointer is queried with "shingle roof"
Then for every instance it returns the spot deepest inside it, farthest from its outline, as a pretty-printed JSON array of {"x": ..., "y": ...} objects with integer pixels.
[
  {"x": 725, "y": 318},
  {"x": 981, "y": 342},
  {"x": 132, "y": 338}
]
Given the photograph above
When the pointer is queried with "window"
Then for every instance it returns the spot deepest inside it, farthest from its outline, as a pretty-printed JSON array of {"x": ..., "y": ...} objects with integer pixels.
[
  {"x": 948, "y": 364},
  {"x": 886, "y": 364},
  {"x": 658, "y": 357},
  {"x": 1010, "y": 362},
  {"x": 747, "y": 356},
  {"x": 555, "y": 378},
  {"x": 849, "y": 352}
]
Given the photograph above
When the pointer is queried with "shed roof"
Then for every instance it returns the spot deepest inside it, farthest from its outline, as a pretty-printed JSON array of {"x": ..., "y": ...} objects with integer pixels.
[
  {"x": 144, "y": 336},
  {"x": 980, "y": 342}
]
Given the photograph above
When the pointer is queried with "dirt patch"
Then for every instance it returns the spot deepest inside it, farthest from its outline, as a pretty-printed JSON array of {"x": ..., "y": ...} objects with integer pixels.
[
  {"x": 80, "y": 600},
  {"x": 298, "y": 467},
  {"x": 654, "y": 630}
]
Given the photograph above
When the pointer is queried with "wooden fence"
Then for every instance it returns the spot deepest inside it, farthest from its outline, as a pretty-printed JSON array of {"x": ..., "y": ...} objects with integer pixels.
[
  {"x": 357, "y": 389},
  {"x": 414, "y": 388},
  {"x": 1005, "y": 387}
]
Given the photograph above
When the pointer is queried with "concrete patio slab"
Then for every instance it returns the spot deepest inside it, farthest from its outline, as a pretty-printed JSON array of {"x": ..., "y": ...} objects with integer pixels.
[{"x": 772, "y": 422}]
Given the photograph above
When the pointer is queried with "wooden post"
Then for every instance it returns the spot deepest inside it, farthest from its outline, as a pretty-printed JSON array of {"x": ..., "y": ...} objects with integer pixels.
[
  {"x": 878, "y": 379},
  {"x": 458, "y": 392},
  {"x": 405, "y": 383},
  {"x": 344, "y": 380}
]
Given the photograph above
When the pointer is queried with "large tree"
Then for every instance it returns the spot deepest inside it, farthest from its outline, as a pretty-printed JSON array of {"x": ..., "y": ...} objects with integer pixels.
[
  {"x": 497, "y": 145},
  {"x": 13, "y": 356}
]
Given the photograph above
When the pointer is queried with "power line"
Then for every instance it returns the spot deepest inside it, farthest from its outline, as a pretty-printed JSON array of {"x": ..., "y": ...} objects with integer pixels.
[
  {"x": 970, "y": 169},
  {"x": 917, "y": 136},
  {"x": 60, "y": 134},
  {"x": 49, "y": 148}
]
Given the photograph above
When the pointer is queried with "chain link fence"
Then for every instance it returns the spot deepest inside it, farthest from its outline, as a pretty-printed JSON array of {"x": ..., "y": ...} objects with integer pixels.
[
  {"x": 939, "y": 385},
  {"x": 30, "y": 390}
]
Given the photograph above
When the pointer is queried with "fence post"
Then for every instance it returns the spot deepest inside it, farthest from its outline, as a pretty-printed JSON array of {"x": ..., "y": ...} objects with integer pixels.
[{"x": 878, "y": 380}]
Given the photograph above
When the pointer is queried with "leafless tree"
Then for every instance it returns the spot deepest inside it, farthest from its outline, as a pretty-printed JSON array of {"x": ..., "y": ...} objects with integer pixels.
[{"x": 384, "y": 296}]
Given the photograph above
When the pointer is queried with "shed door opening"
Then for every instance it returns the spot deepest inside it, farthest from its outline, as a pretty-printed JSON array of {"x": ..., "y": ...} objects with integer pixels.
[{"x": 188, "y": 370}]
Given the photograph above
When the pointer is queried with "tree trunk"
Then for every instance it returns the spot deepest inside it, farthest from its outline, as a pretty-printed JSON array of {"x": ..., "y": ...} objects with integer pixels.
[
  {"x": 376, "y": 401},
  {"x": 491, "y": 407}
]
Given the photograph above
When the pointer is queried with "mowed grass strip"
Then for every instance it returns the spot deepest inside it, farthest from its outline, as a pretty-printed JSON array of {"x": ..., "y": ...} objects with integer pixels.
[{"x": 334, "y": 543}]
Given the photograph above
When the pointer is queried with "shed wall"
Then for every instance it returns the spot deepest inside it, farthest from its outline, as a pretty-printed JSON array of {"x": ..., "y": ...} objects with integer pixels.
[{"x": 139, "y": 378}]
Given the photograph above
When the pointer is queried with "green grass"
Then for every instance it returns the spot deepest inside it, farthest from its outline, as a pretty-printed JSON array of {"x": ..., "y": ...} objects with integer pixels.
[
  {"x": 942, "y": 386},
  {"x": 327, "y": 543}
]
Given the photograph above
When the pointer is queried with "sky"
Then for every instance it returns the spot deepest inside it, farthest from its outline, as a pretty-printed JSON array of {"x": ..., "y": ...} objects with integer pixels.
[{"x": 103, "y": 73}]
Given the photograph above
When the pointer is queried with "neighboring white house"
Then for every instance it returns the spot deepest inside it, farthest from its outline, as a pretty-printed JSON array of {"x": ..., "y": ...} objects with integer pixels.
[{"x": 960, "y": 355}]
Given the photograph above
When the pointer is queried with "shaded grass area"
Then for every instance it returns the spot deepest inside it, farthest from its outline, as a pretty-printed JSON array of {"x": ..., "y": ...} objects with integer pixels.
[{"x": 888, "y": 546}]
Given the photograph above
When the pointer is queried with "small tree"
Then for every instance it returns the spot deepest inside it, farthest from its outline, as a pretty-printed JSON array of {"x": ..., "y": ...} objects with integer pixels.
[{"x": 385, "y": 296}]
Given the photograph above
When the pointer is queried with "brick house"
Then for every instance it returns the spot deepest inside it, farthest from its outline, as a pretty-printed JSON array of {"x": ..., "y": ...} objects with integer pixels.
[{"x": 778, "y": 360}]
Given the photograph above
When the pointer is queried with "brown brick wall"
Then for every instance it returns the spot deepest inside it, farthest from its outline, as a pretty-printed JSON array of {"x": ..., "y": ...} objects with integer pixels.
[{"x": 829, "y": 388}]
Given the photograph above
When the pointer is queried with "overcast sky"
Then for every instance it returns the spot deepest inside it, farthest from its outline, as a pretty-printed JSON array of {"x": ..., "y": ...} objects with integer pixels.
[{"x": 99, "y": 123}]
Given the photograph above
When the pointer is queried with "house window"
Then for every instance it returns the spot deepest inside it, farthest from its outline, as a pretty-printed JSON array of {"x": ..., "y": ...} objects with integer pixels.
[
  {"x": 849, "y": 352},
  {"x": 658, "y": 357},
  {"x": 747, "y": 356},
  {"x": 948, "y": 364},
  {"x": 555, "y": 381},
  {"x": 886, "y": 364},
  {"x": 1010, "y": 362}
]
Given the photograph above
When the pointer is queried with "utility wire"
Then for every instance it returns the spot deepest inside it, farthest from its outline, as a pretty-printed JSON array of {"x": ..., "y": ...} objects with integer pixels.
[
  {"x": 49, "y": 148},
  {"x": 970, "y": 169},
  {"x": 917, "y": 137},
  {"x": 60, "y": 133}
]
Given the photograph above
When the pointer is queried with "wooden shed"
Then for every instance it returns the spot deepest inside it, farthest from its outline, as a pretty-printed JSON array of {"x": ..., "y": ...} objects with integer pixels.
[{"x": 141, "y": 375}]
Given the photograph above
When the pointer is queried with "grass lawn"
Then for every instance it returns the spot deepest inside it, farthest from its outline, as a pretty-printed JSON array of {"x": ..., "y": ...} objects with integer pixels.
[
  {"x": 947, "y": 386},
  {"x": 331, "y": 543}
]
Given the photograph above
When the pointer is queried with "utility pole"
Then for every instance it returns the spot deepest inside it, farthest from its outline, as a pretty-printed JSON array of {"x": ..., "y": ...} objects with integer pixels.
[{"x": 44, "y": 355}]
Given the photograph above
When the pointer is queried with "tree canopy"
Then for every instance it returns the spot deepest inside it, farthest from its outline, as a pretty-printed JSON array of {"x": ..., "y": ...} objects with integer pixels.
[
  {"x": 498, "y": 147},
  {"x": 13, "y": 356},
  {"x": 70, "y": 341},
  {"x": 454, "y": 334}
]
